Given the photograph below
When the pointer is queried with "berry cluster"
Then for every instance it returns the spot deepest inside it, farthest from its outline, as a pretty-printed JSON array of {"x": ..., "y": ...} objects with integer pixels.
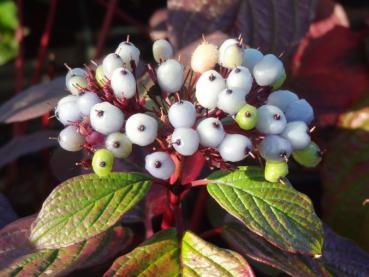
[{"x": 227, "y": 106}]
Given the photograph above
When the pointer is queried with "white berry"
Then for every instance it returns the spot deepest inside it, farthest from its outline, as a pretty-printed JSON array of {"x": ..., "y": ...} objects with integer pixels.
[
  {"x": 106, "y": 118},
  {"x": 119, "y": 145},
  {"x": 70, "y": 139},
  {"x": 281, "y": 98},
  {"x": 160, "y": 165},
  {"x": 240, "y": 78},
  {"x": 129, "y": 54},
  {"x": 170, "y": 76},
  {"x": 182, "y": 114},
  {"x": 68, "y": 113},
  {"x": 141, "y": 129},
  {"x": 208, "y": 87},
  {"x": 110, "y": 63},
  {"x": 300, "y": 110},
  {"x": 123, "y": 83},
  {"x": 271, "y": 120},
  {"x": 185, "y": 141},
  {"x": 275, "y": 148},
  {"x": 231, "y": 101},
  {"x": 86, "y": 101},
  {"x": 235, "y": 147},
  {"x": 251, "y": 57},
  {"x": 268, "y": 70},
  {"x": 162, "y": 50},
  {"x": 297, "y": 133},
  {"x": 211, "y": 132}
]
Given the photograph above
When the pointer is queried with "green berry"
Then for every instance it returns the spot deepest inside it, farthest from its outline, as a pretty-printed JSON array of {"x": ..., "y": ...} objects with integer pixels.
[
  {"x": 99, "y": 75},
  {"x": 309, "y": 156},
  {"x": 102, "y": 162},
  {"x": 277, "y": 84},
  {"x": 274, "y": 170},
  {"x": 247, "y": 117}
]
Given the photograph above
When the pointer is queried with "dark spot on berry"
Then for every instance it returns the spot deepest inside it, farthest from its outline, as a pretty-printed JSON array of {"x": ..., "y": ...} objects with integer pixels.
[
  {"x": 247, "y": 150},
  {"x": 283, "y": 154},
  {"x": 178, "y": 142},
  {"x": 116, "y": 144},
  {"x": 248, "y": 114},
  {"x": 102, "y": 164},
  {"x": 57, "y": 114},
  {"x": 216, "y": 125},
  {"x": 99, "y": 113},
  {"x": 237, "y": 70},
  {"x": 212, "y": 77},
  {"x": 124, "y": 72},
  {"x": 157, "y": 164},
  {"x": 229, "y": 91},
  {"x": 127, "y": 42},
  {"x": 141, "y": 128},
  {"x": 180, "y": 102},
  {"x": 116, "y": 55},
  {"x": 277, "y": 116}
]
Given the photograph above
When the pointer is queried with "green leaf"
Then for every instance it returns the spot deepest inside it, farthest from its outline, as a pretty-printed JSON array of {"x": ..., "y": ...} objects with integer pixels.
[
  {"x": 85, "y": 206},
  {"x": 56, "y": 262},
  {"x": 275, "y": 211},
  {"x": 201, "y": 258},
  {"x": 251, "y": 245},
  {"x": 158, "y": 256},
  {"x": 8, "y": 25}
]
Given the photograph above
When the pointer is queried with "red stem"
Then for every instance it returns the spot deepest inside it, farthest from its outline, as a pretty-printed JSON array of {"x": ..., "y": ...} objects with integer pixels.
[
  {"x": 202, "y": 182},
  {"x": 44, "y": 42},
  {"x": 211, "y": 233},
  {"x": 199, "y": 208},
  {"x": 126, "y": 17},
  {"x": 105, "y": 28}
]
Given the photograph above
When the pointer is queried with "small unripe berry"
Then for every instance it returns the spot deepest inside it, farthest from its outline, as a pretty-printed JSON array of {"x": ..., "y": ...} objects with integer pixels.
[
  {"x": 102, "y": 162},
  {"x": 123, "y": 83},
  {"x": 162, "y": 50},
  {"x": 275, "y": 170},
  {"x": 247, "y": 117},
  {"x": 232, "y": 57},
  {"x": 205, "y": 57},
  {"x": 170, "y": 76},
  {"x": 100, "y": 77},
  {"x": 235, "y": 147},
  {"x": 70, "y": 139},
  {"x": 129, "y": 54},
  {"x": 208, "y": 87},
  {"x": 277, "y": 84},
  {"x": 119, "y": 145},
  {"x": 77, "y": 84},
  {"x": 309, "y": 157},
  {"x": 74, "y": 72},
  {"x": 227, "y": 43},
  {"x": 160, "y": 165}
]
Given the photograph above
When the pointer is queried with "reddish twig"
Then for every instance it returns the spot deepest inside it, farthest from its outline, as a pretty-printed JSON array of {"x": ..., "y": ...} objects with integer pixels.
[
  {"x": 126, "y": 17},
  {"x": 44, "y": 42},
  {"x": 105, "y": 28},
  {"x": 213, "y": 232},
  {"x": 199, "y": 208}
]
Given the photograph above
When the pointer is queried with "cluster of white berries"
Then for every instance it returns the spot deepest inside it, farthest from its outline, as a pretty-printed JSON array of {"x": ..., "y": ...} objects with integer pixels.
[{"x": 106, "y": 115}]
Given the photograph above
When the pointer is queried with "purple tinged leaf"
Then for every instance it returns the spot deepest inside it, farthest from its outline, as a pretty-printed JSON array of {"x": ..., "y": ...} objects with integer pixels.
[
  {"x": 60, "y": 262},
  {"x": 14, "y": 241},
  {"x": 33, "y": 102},
  {"x": 343, "y": 256},
  {"x": 273, "y": 25},
  {"x": 26, "y": 144},
  {"x": 7, "y": 213}
]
